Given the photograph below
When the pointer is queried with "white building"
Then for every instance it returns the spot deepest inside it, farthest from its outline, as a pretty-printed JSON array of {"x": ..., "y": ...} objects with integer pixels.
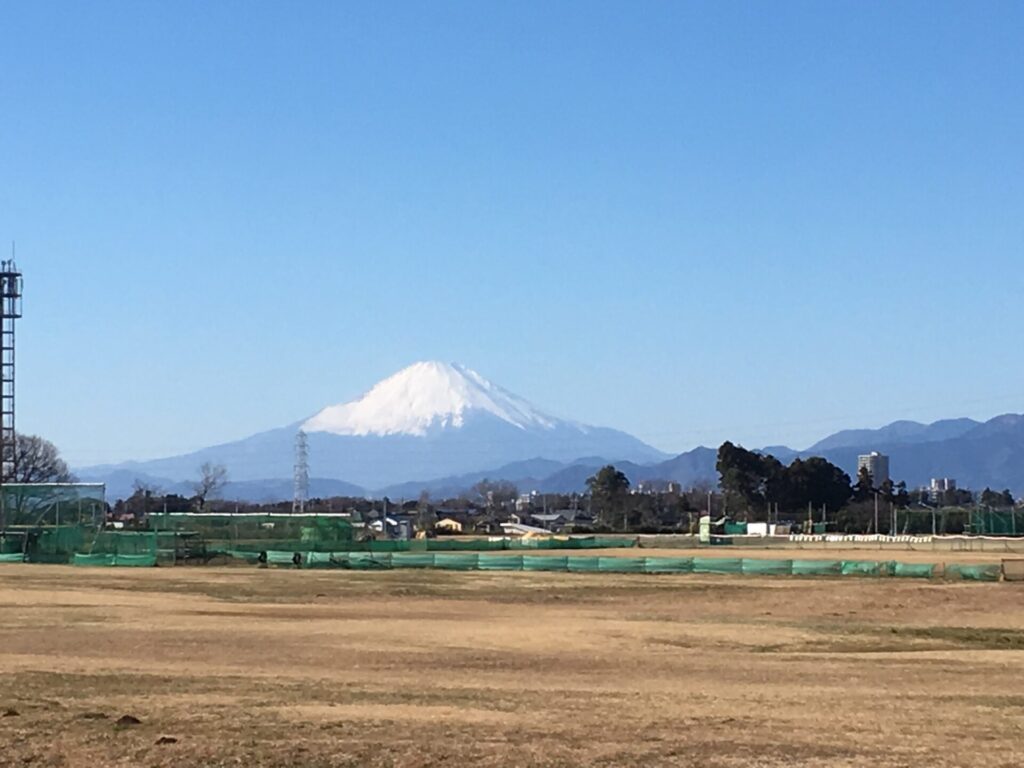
[
  {"x": 939, "y": 486},
  {"x": 877, "y": 465}
]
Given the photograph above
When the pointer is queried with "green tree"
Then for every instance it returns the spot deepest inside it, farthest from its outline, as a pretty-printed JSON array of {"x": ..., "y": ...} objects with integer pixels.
[
  {"x": 999, "y": 499},
  {"x": 864, "y": 488},
  {"x": 818, "y": 482},
  {"x": 608, "y": 491},
  {"x": 743, "y": 473}
]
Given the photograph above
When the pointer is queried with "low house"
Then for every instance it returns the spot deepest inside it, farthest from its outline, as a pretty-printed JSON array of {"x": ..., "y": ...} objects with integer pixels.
[
  {"x": 549, "y": 521},
  {"x": 448, "y": 525}
]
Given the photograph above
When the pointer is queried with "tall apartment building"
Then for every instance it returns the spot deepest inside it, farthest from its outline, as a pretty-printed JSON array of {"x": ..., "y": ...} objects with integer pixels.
[
  {"x": 939, "y": 486},
  {"x": 877, "y": 465}
]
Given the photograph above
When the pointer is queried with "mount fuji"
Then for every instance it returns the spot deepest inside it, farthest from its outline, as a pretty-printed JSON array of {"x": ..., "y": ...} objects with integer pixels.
[{"x": 427, "y": 421}]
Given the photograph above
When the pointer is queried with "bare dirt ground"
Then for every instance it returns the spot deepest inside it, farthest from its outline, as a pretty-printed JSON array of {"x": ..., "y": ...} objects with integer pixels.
[{"x": 253, "y": 667}]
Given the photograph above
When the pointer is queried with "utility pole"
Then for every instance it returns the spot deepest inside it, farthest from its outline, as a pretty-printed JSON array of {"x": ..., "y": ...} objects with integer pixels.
[{"x": 301, "y": 476}]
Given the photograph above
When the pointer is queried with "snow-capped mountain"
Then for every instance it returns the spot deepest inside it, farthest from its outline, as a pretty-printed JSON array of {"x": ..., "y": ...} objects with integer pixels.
[
  {"x": 426, "y": 396},
  {"x": 427, "y": 421}
]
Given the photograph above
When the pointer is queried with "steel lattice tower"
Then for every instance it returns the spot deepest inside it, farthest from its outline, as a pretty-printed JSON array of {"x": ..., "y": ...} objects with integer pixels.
[
  {"x": 10, "y": 310},
  {"x": 301, "y": 473}
]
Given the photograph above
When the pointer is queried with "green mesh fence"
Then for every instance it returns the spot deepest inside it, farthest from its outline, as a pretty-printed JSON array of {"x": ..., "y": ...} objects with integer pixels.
[
  {"x": 996, "y": 522},
  {"x": 11, "y": 557},
  {"x": 56, "y": 544},
  {"x": 51, "y": 504},
  {"x": 237, "y": 535},
  {"x": 242, "y": 533},
  {"x": 122, "y": 543},
  {"x": 117, "y": 548}
]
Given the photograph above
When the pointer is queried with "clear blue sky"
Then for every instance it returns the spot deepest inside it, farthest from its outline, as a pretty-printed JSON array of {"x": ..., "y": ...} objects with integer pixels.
[{"x": 692, "y": 221}]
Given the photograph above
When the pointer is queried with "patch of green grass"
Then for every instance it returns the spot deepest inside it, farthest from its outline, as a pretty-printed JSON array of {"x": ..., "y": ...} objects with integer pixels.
[{"x": 987, "y": 638}]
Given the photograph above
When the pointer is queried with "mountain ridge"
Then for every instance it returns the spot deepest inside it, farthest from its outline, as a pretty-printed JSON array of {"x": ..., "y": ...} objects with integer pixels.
[{"x": 428, "y": 420}]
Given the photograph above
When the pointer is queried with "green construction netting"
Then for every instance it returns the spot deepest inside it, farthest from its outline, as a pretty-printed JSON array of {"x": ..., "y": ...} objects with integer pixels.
[
  {"x": 362, "y": 561},
  {"x": 465, "y": 545},
  {"x": 122, "y": 543},
  {"x": 44, "y": 544},
  {"x": 575, "y": 542},
  {"x": 990, "y": 572},
  {"x": 282, "y": 557},
  {"x": 912, "y": 570},
  {"x": 413, "y": 560},
  {"x": 864, "y": 568},
  {"x": 12, "y": 557},
  {"x": 545, "y": 563},
  {"x": 456, "y": 562},
  {"x": 500, "y": 563},
  {"x": 718, "y": 565},
  {"x": 115, "y": 560},
  {"x": 767, "y": 567},
  {"x": 591, "y": 564},
  {"x": 621, "y": 564},
  {"x": 816, "y": 567},
  {"x": 582, "y": 564},
  {"x": 668, "y": 565},
  {"x": 59, "y": 543}
]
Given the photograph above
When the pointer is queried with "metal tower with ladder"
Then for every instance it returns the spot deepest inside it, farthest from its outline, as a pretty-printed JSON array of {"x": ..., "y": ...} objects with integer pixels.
[{"x": 10, "y": 310}]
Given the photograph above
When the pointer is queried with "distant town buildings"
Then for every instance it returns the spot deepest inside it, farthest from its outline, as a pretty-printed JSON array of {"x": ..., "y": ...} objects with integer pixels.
[
  {"x": 938, "y": 488},
  {"x": 877, "y": 465}
]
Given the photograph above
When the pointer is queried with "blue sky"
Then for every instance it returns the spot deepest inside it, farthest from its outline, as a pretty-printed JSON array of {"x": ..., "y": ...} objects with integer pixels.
[{"x": 692, "y": 221}]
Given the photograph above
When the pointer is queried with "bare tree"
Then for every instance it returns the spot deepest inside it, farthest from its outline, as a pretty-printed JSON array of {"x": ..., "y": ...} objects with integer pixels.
[
  {"x": 425, "y": 516},
  {"x": 143, "y": 491},
  {"x": 212, "y": 478},
  {"x": 37, "y": 460}
]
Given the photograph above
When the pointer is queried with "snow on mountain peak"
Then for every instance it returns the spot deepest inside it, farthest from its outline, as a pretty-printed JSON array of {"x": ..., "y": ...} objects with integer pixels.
[{"x": 424, "y": 395}]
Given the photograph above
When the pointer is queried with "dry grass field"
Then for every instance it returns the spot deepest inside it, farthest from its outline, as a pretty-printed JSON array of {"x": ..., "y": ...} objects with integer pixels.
[
  {"x": 810, "y": 552},
  {"x": 239, "y": 666}
]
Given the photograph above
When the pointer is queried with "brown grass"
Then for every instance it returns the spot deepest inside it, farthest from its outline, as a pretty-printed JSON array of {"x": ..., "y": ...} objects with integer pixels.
[{"x": 424, "y": 668}]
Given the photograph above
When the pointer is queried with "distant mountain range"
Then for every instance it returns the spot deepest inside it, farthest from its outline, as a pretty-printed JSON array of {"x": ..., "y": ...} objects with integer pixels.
[
  {"x": 428, "y": 420},
  {"x": 442, "y": 428}
]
